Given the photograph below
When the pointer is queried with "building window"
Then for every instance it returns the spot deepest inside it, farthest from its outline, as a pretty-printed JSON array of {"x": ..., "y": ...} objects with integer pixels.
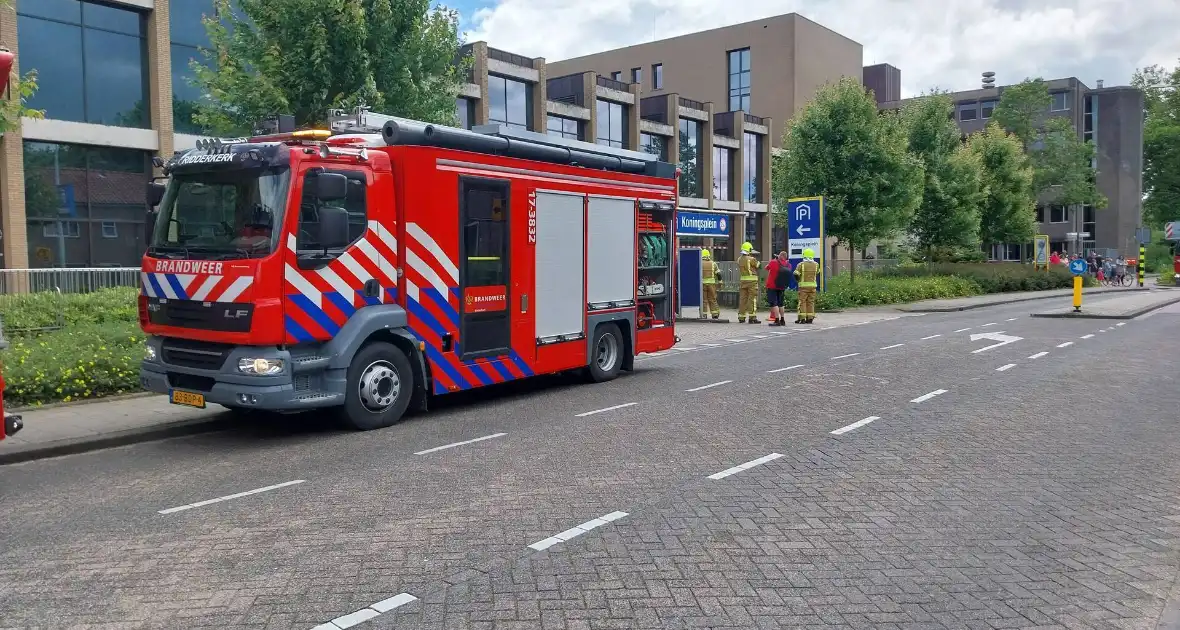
[
  {"x": 1060, "y": 102},
  {"x": 612, "y": 124},
  {"x": 76, "y": 197},
  {"x": 563, "y": 127},
  {"x": 986, "y": 108},
  {"x": 509, "y": 102},
  {"x": 654, "y": 144},
  {"x": 1088, "y": 224},
  {"x": 91, "y": 61},
  {"x": 1005, "y": 251},
  {"x": 754, "y": 230},
  {"x": 690, "y": 165},
  {"x": 464, "y": 112},
  {"x": 1040, "y": 214},
  {"x": 617, "y": 76},
  {"x": 722, "y": 173},
  {"x": 968, "y": 111},
  {"x": 188, "y": 35},
  {"x": 637, "y": 76},
  {"x": 1058, "y": 214},
  {"x": 752, "y": 168},
  {"x": 739, "y": 80},
  {"x": 657, "y": 76}
]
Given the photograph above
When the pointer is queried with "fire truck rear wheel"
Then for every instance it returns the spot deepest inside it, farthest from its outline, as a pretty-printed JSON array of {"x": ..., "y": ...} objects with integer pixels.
[
  {"x": 380, "y": 385},
  {"x": 606, "y": 354}
]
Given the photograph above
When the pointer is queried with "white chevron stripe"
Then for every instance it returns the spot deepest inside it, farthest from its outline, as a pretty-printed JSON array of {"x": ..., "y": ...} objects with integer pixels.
[
  {"x": 185, "y": 279},
  {"x": 412, "y": 291},
  {"x": 203, "y": 291},
  {"x": 366, "y": 248},
  {"x": 336, "y": 282},
  {"x": 385, "y": 236},
  {"x": 148, "y": 289},
  {"x": 162, "y": 280},
  {"x": 354, "y": 267},
  {"x": 305, "y": 288},
  {"x": 235, "y": 289},
  {"x": 425, "y": 240},
  {"x": 419, "y": 265},
  {"x": 291, "y": 242}
]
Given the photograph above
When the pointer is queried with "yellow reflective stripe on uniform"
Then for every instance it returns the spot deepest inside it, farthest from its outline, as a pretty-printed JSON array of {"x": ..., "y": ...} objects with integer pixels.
[
  {"x": 709, "y": 280},
  {"x": 808, "y": 285}
]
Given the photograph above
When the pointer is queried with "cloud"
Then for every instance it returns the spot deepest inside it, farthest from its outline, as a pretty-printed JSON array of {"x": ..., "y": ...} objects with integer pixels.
[{"x": 936, "y": 43}]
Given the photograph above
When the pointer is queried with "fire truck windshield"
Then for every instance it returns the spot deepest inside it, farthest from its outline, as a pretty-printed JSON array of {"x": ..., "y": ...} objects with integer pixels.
[{"x": 221, "y": 215}]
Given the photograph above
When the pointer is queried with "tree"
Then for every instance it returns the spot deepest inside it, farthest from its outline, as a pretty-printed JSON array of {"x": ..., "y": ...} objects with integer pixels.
[
  {"x": 841, "y": 147},
  {"x": 1062, "y": 163},
  {"x": 1161, "y": 143},
  {"x": 304, "y": 57},
  {"x": 948, "y": 216},
  {"x": 1007, "y": 214}
]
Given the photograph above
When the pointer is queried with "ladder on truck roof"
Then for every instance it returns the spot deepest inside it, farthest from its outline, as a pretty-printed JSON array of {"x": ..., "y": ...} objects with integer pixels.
[{"x": 496, "y": 139}]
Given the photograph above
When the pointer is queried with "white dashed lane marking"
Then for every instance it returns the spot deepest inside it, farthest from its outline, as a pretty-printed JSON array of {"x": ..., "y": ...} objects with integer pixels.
[
  {"x": 710, "y": 385},
  {"x": 790, "y": 367},
  {"x": 746, "y": 466},
  {"x": 896, "y": 345},
  {"x": 231, "y": 496},
  {"x": 963, "y": 329},
  {"x": 1088, "y": 336},
  {"x": 1065, "y": 345},
  {"x": 845, "y": 356},
  {"x": 576, "y": 530},
  {"x": 855, "y": 425},
  {"x": 463, "y": 443},
  {"x": 988, "y": 324},
  {"x": 1004, "y": 368},
  {"x": 605, "y": 409},
  {"x": 930, "y": 337},
  {"x": 1038, "y": 355},
  {"x": 925, "y": 397}
]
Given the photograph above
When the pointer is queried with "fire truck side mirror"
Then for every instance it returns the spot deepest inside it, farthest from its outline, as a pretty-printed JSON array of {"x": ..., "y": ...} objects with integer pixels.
[
  {"x": 149, "y": 225},
  {"x": 333, "y": 227},
  {"x": 155, "y": 193}
]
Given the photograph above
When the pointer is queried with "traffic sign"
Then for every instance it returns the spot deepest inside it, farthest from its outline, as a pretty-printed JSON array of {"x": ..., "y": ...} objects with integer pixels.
[
  {"x": 1078, "y": 267},
  {"x": 805, "y": 230},
  {"x": 1172, "y": 231},
  {"x": 1143, "y": 236}
]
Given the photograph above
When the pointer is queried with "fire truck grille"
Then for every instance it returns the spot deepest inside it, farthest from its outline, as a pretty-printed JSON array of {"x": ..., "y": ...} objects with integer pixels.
[
  {"x": 194, "y": 354},
  {"x": 219, "y": 316}
]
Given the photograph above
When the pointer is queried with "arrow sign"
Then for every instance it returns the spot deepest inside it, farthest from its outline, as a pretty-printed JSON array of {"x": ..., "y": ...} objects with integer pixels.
[
  {"x": 802, "y": 230},
  {"x": 994, "y": 336}
]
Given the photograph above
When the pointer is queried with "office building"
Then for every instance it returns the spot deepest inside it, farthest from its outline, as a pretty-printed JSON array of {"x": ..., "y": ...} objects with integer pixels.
[
  {"x": 1110, "y": 117},
  {"x": 772, "y": 67}
]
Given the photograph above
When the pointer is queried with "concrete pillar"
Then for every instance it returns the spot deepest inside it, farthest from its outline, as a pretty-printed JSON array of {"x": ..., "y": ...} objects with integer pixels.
[
  {"x": 765, "y": 185},
  {"x": 160, "y": 78},
  {"x": 479, "y": 71},
  {"x": 590, "y": 101},
  {"x": 633, "y": 117},
  {"x": 739, "y": 167},
  {"x": 540, "y": 90},
  {"x": 12, "y": 193},
  {"x": 705, "y": 147},
  {"x": 673, "y": 119}
]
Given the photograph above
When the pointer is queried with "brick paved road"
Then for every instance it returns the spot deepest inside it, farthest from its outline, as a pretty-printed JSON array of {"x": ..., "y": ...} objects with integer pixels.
[{"x": 991, "y": 505}]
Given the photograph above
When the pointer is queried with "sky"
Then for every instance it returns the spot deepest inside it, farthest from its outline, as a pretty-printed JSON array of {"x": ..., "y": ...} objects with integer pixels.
[{"x": 937, "y": 44}]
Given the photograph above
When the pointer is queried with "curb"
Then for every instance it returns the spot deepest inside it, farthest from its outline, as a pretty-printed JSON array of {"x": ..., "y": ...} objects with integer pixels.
[
  {"x": 971, "y": 307},
  {"x": 73, "y": 446},
  {"x": 84, "y": 402},
  {"x": 1132, "y": 315}
]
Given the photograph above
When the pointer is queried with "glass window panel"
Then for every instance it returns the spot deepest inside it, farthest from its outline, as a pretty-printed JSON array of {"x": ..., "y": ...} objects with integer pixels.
[
  {"x": 516, "y": 99},
  {"x": 616, "y": 123},
  {"x": 185, "y": 21},
  {"x": 657, "y": 72},
  {"x": 55, "y": 51},
  {"x": 497, "y": 103},
  {"x": 114, "y": 79},
  {"x": 461, "y": 112},
  {"x": 746, "y": 59},
  {"x": 65, "y": 10},
  {"x": 112, "y": 19},
  {"x": 570, "y": 127},
  {"x": 744, "y": 78},
  {"x": 735, "y": 62}
]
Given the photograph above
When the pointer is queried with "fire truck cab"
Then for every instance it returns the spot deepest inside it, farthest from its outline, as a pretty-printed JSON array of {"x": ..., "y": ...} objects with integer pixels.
[{"x": 368, "y": 268}]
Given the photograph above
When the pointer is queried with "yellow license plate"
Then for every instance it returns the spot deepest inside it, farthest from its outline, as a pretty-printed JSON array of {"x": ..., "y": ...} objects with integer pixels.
[{"x": 188, "y": 399}]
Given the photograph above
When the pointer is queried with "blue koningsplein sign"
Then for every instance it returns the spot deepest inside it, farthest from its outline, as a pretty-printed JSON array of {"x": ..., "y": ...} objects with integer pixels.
[
  {"x": 805, "y": 230},
  {"x": 701, "y": 224},
  {"x": 1078, "y": 266}
]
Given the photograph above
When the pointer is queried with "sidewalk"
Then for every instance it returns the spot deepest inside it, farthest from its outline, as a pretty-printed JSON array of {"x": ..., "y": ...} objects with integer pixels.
[
  {"x": 67, "y": 429},
  {"x": 994, "y": 299},
  {"x": 1115, "y": 307}
]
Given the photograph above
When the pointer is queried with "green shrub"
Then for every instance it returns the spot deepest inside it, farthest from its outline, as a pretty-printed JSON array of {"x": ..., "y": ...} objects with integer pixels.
[
  {"x": 48, "y": 309},
  {"x": 83, "y": 361},
  {"x": 991, "y": 277},
  {"x": 877, "y": 291}
]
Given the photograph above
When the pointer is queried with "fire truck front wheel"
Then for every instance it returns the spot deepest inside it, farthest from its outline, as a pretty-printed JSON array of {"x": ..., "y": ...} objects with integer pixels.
[{"x": 380, "y": 385}]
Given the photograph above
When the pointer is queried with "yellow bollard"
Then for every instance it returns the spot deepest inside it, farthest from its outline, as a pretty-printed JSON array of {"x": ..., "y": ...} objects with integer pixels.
[{"x": 1077, "y": 294}]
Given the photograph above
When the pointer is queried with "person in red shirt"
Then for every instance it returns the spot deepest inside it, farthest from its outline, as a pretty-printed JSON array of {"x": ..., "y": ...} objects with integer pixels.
[
  {"x": 1054, "y": 259},
  {"x": 778, "y": 275}
]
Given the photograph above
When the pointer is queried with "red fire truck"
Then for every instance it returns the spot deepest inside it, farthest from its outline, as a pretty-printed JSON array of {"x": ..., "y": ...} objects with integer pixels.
[{"x": 369, "y": 267}]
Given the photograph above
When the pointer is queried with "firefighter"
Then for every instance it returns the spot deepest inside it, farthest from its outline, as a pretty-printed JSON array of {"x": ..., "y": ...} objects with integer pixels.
[
  {"x": 807, "y": 272},
  {"x": 710, "y": 276},
  {"x": 748, "y": 286}
]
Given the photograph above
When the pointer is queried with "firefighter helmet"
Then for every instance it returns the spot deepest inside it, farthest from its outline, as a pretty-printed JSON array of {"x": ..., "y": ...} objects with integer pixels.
[{"x": 809, "y": 253}]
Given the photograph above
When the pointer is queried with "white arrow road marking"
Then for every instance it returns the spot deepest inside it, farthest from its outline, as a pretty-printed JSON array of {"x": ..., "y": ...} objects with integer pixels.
[{"x": 994, "y": 336}]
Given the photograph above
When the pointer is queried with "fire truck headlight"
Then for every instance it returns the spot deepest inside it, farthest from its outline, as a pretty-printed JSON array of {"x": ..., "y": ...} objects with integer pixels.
[
  {"x": 260, "y": 367},
  {"x": 149, "y": 353}
]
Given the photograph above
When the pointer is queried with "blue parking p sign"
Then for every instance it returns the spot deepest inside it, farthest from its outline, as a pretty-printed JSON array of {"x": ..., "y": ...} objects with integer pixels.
[{"x": 1078, "y": 267}]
